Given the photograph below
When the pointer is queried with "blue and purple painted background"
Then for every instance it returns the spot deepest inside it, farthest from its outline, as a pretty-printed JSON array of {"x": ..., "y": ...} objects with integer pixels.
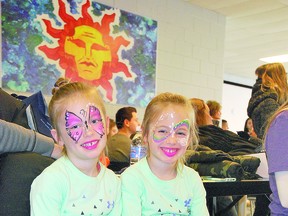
[{"x": 33, "y": 36}]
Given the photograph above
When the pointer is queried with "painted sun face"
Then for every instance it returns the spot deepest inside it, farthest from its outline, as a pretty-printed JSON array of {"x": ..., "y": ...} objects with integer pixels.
[
  {"x": 89, "y": 52},
  {"x": 77, "y": 125}
]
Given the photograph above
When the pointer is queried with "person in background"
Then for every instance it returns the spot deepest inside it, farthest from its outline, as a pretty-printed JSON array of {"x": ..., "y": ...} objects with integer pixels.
[
  {"x": 225, "y": 124},
  {"x": 203, "y": 118},
  {"x": 248, "y": 127},
  {"x": 267, "y": 96},
  {"x": 160, "y": 183},
  {"x": 16, "y": 138},
  {"x": 276, "y": 140},
  {"x": 112, "y": 128},
  {"x": 76, "y": 183},
  {"x": 215, "y": 112},
  {"x": 259, "y": 73},
  {"x": 12, "y": 109},
  {"x": 119, "y": 144},
  {"x": 218, "y": 139},
  {"x": 16, "y": 134},
  {"x": 24, "y": 153}
]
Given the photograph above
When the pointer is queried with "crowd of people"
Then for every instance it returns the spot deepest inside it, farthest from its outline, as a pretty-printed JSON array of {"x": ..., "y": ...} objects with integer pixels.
[{"x": 87, "y": 149}]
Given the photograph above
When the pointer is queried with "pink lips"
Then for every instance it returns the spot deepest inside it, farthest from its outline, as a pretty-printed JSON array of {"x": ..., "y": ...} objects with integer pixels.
[
  {"x": 90, "y": 145},
  {"x": 169, "y": 152}
]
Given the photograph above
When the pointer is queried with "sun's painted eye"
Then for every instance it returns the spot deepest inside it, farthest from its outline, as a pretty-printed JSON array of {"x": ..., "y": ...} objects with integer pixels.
[
  {"x": 78, "y": 43},
  {"x": 99, "y": 47}
]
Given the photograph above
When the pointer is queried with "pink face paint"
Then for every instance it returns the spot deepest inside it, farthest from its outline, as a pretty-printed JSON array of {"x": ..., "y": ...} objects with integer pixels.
[
  {"x": 95, "y": 120},
  {"x": 75, "y": 125},
  {"x": 180, "y": 131}
]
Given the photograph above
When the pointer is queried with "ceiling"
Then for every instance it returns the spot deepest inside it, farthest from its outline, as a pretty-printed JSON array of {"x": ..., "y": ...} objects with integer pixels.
[{"x": 254, "y": 29}]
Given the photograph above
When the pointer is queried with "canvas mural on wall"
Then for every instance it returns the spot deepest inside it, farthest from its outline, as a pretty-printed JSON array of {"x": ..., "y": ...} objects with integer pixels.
[{"x": 43, "y": 40}]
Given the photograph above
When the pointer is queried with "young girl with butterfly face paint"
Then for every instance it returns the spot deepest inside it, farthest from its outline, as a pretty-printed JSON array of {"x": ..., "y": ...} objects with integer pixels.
[
  {"x": 77, "y": 183},
  {"x": 160, "y": 183}
]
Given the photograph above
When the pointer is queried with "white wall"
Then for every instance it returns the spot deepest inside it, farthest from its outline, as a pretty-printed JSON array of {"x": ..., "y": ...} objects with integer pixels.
[
  {"x": 234, "y": 106},
  {"x": 190, "y": 47}
]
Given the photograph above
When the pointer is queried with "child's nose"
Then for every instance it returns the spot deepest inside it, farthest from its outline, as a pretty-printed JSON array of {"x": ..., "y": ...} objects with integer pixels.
[
  {"x": 88, "y": 130},
  {"x": 172, "y": 138}
]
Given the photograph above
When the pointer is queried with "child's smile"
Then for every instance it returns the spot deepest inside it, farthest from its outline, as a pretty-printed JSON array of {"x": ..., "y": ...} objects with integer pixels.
[
  {"x": 169, "y": 152},
  {"x": 90, "y": 145}
]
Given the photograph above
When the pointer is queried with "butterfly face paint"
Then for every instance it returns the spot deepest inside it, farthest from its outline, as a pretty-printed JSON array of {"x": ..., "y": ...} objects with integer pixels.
[
  {"x": 179, "y": 131},
  {"x": 77, "y": 125}
]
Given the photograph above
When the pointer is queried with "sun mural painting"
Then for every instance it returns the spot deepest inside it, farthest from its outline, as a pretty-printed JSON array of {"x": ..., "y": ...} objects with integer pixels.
[
  {"x": 112, "y": 49},
  {"x": 86, "y": 51}
]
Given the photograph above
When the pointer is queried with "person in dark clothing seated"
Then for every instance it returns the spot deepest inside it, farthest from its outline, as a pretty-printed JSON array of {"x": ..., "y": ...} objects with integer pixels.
[
  {"x": 24, "y": 154},
  {"x": 120, "y": 143},
  {"x": 218, "y": 139}
]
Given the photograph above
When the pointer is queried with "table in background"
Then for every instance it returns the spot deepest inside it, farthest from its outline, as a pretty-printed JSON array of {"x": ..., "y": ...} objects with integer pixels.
[{"x": 236, "y": 188}]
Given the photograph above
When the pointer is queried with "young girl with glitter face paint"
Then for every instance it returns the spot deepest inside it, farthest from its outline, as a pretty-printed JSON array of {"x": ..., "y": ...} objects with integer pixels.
[
  {"x": 160, "y": 183},
  {"x": 77, "y": 183}
]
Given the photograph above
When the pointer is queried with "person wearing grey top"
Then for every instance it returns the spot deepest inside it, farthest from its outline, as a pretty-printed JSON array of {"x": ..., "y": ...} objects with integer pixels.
[{"x": 15, "y": 138}]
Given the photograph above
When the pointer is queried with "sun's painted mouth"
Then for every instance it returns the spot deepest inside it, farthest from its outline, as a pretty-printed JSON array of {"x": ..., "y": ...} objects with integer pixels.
[
  {"x": 87, "y": 63},
  {"x": 90, "y": 145},
  {"x": 170, "y": 152}
]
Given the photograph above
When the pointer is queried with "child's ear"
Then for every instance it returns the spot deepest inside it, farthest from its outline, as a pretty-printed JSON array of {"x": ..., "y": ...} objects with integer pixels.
[
  {"x": 126, "y": 122},
  {"x": 56, "y": 137},
  {"x": 145, "y": 139}
]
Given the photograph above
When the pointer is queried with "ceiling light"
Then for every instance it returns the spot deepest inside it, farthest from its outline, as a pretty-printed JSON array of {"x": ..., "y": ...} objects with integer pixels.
[{"x": 280, "y": 58}]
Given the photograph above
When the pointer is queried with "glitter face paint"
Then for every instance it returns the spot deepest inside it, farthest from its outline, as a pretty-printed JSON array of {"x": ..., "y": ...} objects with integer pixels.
[
  {"x": 180, "y": 131},
  {"x": 77, "y": 125}
]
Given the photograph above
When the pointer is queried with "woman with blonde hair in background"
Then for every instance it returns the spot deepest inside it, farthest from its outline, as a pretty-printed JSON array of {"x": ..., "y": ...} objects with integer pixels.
[{"x": 267, "y": 96}]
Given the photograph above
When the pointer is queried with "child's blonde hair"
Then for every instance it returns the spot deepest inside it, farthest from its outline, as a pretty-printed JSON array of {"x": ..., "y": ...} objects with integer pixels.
[
  {"x": 69, "y": 93},
  {"x": 155, "y": 108}
]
